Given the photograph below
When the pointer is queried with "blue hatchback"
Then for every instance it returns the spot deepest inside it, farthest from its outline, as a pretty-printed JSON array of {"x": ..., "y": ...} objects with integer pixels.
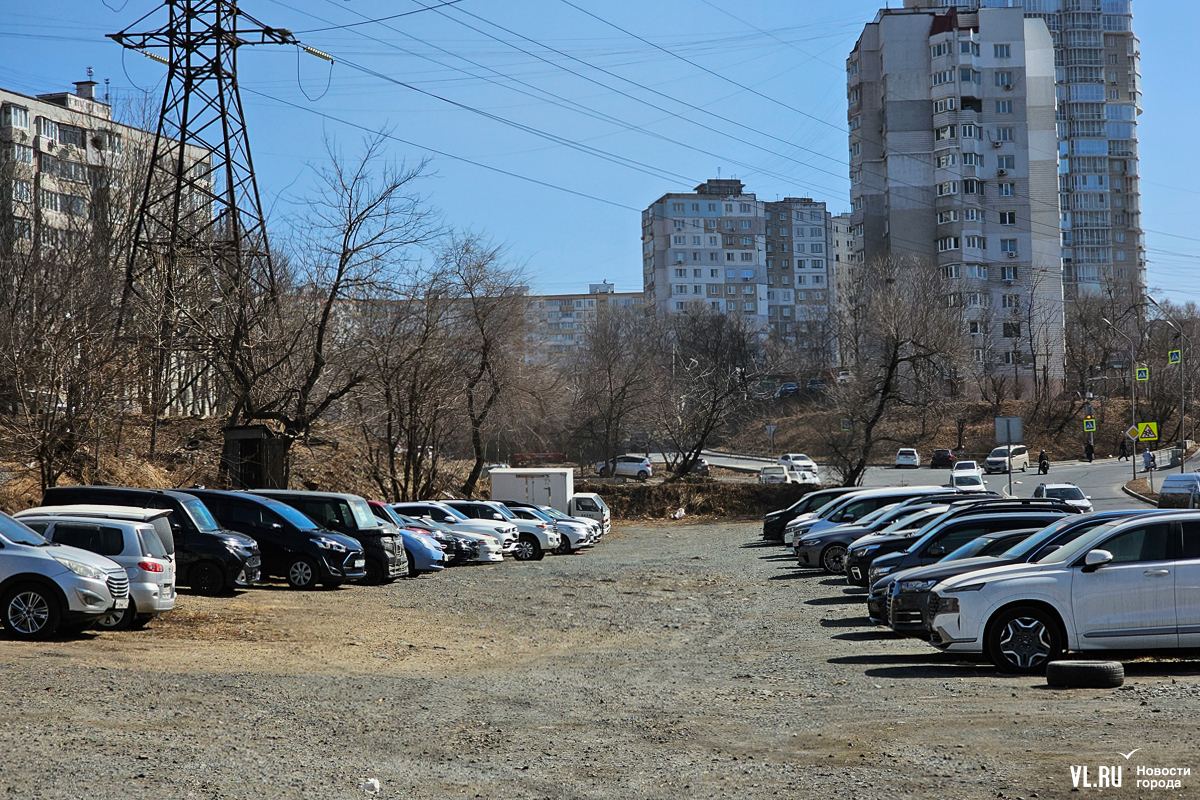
[{"x": 424, "y": 552}]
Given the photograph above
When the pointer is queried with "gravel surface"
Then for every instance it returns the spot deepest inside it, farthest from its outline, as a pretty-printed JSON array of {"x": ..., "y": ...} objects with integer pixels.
[{"x": 679, "y": 661}]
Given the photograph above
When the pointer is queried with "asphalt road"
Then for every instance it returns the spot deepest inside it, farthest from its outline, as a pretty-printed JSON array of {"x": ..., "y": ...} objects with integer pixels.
[{"x": 1101, "y": 480}]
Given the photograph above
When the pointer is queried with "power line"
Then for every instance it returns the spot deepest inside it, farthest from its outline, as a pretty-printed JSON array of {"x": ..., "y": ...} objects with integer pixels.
[{"x": 380, "y": 19}]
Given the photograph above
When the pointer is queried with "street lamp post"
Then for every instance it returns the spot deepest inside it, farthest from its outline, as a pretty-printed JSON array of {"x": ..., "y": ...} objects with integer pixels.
[
  {"x": 1132, "y": 389},
  {"x": 1182, "y": 376}
]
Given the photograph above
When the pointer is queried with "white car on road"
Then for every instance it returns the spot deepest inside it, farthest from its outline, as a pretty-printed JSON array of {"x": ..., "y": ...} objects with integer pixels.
[
  {"x": 797, "y": 461},
  {"x": 626, "y": 467},
  {"x": 907, "y": 457},
  {"x": 1067, "y": 492},
  {"x": 1133, "y": 584}
]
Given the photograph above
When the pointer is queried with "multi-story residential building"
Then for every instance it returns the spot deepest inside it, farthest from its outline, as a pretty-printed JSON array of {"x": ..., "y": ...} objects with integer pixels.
[
  {"x": 555, "y": 322},
  {"x": 954, "y": 160},
  {"x": 1097, "y": 60},
  {"x": 720, "y": 245}
]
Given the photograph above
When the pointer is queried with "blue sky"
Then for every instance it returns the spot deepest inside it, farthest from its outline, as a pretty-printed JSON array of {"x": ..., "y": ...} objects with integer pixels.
[{"x": 762, "y": 99}]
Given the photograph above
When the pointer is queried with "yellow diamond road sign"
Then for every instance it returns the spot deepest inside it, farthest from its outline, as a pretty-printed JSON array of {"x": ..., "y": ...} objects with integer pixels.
[
  {"x": 1133, "y": 432},
  {"x": 1147, "y": 431}
]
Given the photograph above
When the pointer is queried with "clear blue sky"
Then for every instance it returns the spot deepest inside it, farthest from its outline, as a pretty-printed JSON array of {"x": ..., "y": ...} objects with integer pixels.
[{"x": 783, "y": 134}]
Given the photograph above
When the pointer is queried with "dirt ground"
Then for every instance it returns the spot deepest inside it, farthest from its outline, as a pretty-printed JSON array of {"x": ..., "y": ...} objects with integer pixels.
[{"x": 671, "y": 661}]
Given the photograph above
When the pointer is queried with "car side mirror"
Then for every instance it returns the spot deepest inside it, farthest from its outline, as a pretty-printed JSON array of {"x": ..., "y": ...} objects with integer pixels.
[
  {"x": 1087, "y": 497},
  {"x": 275, "y": 526},
  {"x": 497, "y": 516},
  {"x": 1096, "y": 559},
  {"x": 937, "y": 550}
]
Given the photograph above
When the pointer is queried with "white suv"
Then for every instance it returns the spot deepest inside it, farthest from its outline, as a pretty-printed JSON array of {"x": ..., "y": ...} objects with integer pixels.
[
  {"x": 45, "y": 586},
  {"x": 1129, "y": 585},
  {"x": 626, "y": 467}
]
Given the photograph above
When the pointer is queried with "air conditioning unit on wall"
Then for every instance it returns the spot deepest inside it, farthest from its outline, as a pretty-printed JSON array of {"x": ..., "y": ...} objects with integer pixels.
[{"x": 1012, "y": 255}]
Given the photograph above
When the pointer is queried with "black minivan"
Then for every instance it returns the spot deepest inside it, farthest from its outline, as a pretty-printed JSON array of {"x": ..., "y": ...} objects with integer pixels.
[
  {"x": 294, "y": 547},
  {"x": 208, "y": 558},
  {"x": 350, "y": 515}
]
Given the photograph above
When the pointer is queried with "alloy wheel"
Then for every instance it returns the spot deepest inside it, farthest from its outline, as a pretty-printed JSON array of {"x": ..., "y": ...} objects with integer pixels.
[
  {"x": 28, "y": 612},
  {"x": 1025, "y": 641}
]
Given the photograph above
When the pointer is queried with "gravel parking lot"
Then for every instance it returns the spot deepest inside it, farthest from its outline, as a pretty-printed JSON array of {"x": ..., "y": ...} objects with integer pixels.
[{"x": 672, "y": 661}]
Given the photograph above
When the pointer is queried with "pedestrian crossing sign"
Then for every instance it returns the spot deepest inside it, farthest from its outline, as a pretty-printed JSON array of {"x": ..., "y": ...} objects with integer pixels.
[
  {"x": 1147, "y": 432},
  {"x": 1143, "y": 373},
  {"x": 1089, "y": 425},
  {"x": 1175, "y": 357}
]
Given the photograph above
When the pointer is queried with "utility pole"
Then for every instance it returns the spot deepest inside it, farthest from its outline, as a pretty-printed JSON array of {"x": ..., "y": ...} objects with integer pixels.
[
  {"x": 1132, "y": 389},
  {"x": 1174, "y": 323}
]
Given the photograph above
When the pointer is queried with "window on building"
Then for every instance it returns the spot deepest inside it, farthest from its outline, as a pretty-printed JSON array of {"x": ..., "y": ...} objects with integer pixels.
[
  {"x": 968, "y": 132},
  {"x": 978, "y": 351},
  {"x": 947, "y": 243},
  {"x": 976, "y": 242},
  {"x": 1004, "y": 79},
  {"x": 1006, "y": 162},
  {"x": 943, "y": 133},
  {"x": 22, "y": 153},
  {"x": 947, "y": 188},
  {"x": 69, "y": 134},
  {"x": 940, "y": 49},
  {"x": 801, "y": 280},
  {"x": 1010, "y": 301},
  {"x": 972, "y": 160},
  {"x": 977, "y": 271},
  {"x": 730, "y": 273},
  {"x": 968, "y": 48},
  {"x": 1007, "y": 190},
  {"x": 1004, "y": 134},
  {"x": 816, "y": 247},
  {"x": 973, "y": 215},
  {"x": 47, "y": 128},
  {"x": 1008, "y": 245},
  {"x": 1004, "y": 107},
  {"x": 952, "y": 271},
  {"x": 681, "y": 273},
  {"x": 947, "y": 216},
  {"x": 972, "y": 186},
  {"x": 1008, "y": 218},
  {"x": 969, "y": 76},
  {"x": 944, "y": 76},
  {"x": 852, "y": 68},
  {"x": 714, "y": 257},
  {"x": 745, "y": 224},
  {"x": 14, "y": 117},
  {"x": 22, "y": 191},
  {"x": 818, "y": 263},
  {"x": 855, "y": 122},
  {"x": 817, "y": 279},
  {"x": 747, "y": 240},
  {"x": 1120, "y": 255},
  {"x": 677, "y": 206},
  {"x": 786, "y": 263},
  {"x": 1002, "y": 50},
  {"x": 744, "y": 208},
  {"x": 747, "y": 256},
  {"x": 1008, "y": 273}
]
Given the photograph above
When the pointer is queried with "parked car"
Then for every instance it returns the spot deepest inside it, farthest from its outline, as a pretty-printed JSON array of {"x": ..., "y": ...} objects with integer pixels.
[
  {"x": 776, "y": 522},
  {"x": 469, "y": 548},
  {"x": 1007, "y": 458},
  {"x": 46, "y": 587},
  {"x": 966, "y": 465},
  {"x": 860, "y": 559},
  {"x": 626, "y": 467},
  {"x": 572, "y": 535},
  {"x": 800, "y": 475},
  {"x": 503, "y": 533},
  {"x": 293, "y": 546},
  {"x": 158, "y": 518},
  {"x": 911, "y": 588},
  {"x": 208, "y": 558},
  {"x": 1128, "y": 585},
  {"x": 132, "y": 544},
  {"x": 896, "y": 600},
  {"x": 828, "y": 548},
  {"x": 423, "y": 552},
  {"x": 593, "y": 529},
  {"x": 1180, "y": 491},
  {"x": 854, "y": 507},
  {"x": 350, "y": 515},
  {"x": 797, "y": 461},
  {"x": 535, "y": 537},
  {"x": 1065, "y": 491},
  {"x": 787, "y": 389},
  {"x": 815, "y": 385},
  {"x": 942, "y": 459},
  {"x": 700, "y": 467},
  {"x": 907, "y": 458},
  {"x": 775, "y": 474}
]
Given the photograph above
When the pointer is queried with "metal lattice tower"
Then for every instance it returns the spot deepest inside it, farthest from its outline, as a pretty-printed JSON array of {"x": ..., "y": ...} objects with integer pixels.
[{"x": 206, "y": 209}]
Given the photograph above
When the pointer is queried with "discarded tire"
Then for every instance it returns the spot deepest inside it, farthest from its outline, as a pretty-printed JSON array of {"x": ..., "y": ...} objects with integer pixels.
[{"x": 1085, "y": 674}]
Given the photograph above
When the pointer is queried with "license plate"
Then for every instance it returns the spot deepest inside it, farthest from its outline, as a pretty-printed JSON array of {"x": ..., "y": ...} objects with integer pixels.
[
  {"x": 360, "y": 562},
  {"x": 121, "y": 603}
]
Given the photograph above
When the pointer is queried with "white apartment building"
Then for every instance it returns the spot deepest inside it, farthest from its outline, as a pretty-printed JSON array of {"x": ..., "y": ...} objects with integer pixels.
[
  {"x": 722, "y": 246},
  {"x": 954, "y": 160},
  {"x": 1097, "y": 60},
  {"x": 555, "y": 322}
]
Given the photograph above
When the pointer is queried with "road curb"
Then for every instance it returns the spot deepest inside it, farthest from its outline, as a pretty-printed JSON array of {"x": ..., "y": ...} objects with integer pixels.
[{"x": 1125, "y": 488}]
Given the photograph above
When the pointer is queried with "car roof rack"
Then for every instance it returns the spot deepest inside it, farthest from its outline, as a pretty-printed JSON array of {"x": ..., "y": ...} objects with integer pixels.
[{"x": 1046, "y": 503}]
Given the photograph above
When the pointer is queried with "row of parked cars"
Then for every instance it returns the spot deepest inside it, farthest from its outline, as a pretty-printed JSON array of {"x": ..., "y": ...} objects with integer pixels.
[
  {"x": 1019, "y": 581},
  {"x": 113, "y": 557}
]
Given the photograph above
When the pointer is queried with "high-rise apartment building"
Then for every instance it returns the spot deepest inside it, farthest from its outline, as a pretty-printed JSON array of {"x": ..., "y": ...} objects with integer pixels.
[
  {"x": 1097, "y": 60},
  {"x": 722, "y": 246},
  {"x": 954, "y": 160}
]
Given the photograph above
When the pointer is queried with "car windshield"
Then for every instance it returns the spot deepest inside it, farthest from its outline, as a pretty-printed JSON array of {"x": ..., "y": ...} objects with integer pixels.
[
  {"x": 999, "y": 452},
  {"x": 971, "y": 549},
  {"x": 200, "y": 515},
  {"x": 910, "y": 521},
  {"x": 17, "y": 533},
  {"x": 388, "y": 515},
  {"x": 1065, "y": 493},
  {"x": 968, "y": 480},
  {"x": 875, "y": 516},
  {"x": 1073, "y": 549},
  {"x": 290, "y": 514},
  {"x": 772, "y": 470},
  {"x": 363, "y": 517}
]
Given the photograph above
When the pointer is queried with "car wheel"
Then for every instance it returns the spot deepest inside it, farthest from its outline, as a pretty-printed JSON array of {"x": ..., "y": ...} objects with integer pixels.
[
  {"x": 302, "y": 573},
  {"x": 30, "y": 612},
  {"x": 833, "y": 559},
  {"x": 564, "y": 546},
  {"x": 528, "y": 548},
  {"x": 602, "y": 472},
  {"x": 412, "y": 565},
  {"x": 1024, "y": 640},
  {"x": 118, "y": 620},
  {"x": 375, "y": 573},
  {"x": 1025, "y": 466},
  {"x": 643, "y": 475},
  {"x": 205, "y": 578}
]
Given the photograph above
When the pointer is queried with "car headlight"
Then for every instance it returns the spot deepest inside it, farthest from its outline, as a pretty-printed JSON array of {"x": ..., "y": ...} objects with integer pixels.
[
  {"x": 235, "y": 545},
  {"x": 879, "y": 572},
  {"x": 970, "y": 587},
  {"x": 908, "y": 587},
  {"x": 947, "y": 605},
  {"x": 81, "y": 569},
  {"x": 810, "y": 542},
  {"x": 859, "y": 552},
  {"x": 325, "y": 543}
]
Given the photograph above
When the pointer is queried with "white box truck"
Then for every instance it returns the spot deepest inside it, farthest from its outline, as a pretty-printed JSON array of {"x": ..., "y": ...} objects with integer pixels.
[{"x": 554, "y": 487}]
